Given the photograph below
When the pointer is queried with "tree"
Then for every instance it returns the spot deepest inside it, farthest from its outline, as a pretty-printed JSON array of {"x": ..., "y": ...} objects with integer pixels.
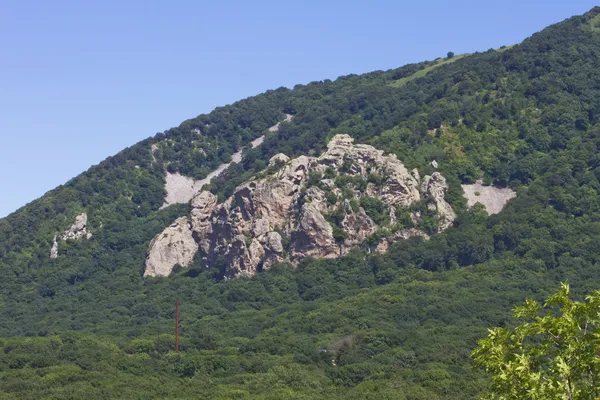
[
  {"x": 552, "y": 355},
  {"x": 450, "y": 54}
]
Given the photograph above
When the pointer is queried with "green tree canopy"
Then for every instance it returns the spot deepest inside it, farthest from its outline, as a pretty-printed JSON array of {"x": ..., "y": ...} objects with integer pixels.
[{"x": 553, "y": 354}]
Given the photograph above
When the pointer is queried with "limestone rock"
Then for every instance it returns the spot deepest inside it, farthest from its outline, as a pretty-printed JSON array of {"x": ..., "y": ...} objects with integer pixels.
[
  {"x": 174, "y": 246},
  {"x": 203, "y": 206},
  {"x": 313, "y": 236},
  {"x": 54, "y": 249},
  {"x": 400, "y": 188},
  {"x": 79, "y": 229},
  {"x": 357, "y": 226},
  {"x": 286, "y": 216},
  {"x": 435, "y": 187}
]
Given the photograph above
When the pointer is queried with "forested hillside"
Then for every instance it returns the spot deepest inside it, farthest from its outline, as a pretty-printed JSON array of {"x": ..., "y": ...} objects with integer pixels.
[{"x": 399, "y": 325}]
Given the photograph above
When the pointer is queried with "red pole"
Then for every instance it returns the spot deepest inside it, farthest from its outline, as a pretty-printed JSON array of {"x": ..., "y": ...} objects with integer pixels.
[{"x": 177, "y": 326}]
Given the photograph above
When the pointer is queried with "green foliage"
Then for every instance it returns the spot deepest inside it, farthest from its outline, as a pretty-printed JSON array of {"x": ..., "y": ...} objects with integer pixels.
[
  {"x": 552, "y": 354},
  {"x": 376, "y": 209}
]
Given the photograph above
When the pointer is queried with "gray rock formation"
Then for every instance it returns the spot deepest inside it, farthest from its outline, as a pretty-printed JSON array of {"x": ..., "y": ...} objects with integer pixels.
[
  {"x": 435, "y": 187},
  {"x": 174, "y": 246},
  {"x": 309, "y": 207},
  {"x": 313, "y": 235},
  {"x": 77, "y": 231},
  {"x": 54, "y": 249}
]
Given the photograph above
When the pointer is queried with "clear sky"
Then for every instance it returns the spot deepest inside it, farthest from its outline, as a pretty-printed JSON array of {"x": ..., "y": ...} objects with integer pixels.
[{"x": 81, "y": 80}]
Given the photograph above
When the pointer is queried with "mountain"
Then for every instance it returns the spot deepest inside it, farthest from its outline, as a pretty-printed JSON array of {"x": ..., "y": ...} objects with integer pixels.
[{"x": 317, "y": 312}]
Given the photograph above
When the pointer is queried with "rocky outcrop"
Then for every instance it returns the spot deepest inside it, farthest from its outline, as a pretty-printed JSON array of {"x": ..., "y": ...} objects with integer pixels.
[
  {"x": 54, "y": 249},
  {"x": 435, "y": 187},
  {"x": 356, "y": 225},
  {"x": 174, "y": 246},
  {"x": 313, "y": 235},
  {"x": 77, "y": 231},
  {"x": 306, "y": 207}
]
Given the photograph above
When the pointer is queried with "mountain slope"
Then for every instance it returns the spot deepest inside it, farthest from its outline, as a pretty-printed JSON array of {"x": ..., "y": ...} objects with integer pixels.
[{"x": 401, "y": 323}]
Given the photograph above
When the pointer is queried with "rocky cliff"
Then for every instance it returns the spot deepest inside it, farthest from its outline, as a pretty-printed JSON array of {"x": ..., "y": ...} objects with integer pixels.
[{"x": 352, "y": 195}]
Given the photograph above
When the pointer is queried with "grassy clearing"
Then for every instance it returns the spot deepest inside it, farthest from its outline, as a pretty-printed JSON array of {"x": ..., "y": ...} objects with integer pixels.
[
  {"x": 443, "y": 61},
  {"x": 595, "y": 24},
  {"x": 421, "y": 73}
]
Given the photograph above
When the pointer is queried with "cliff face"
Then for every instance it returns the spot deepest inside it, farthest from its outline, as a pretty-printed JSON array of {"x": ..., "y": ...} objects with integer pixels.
[{"x": 352, "y": 195}]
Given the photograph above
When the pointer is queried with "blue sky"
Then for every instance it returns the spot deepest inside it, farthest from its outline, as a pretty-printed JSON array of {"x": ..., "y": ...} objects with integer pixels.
[{"x": 81, "y": 80}]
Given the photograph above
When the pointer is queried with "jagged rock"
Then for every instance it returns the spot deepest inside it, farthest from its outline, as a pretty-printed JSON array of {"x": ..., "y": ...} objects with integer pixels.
[
  {"x": 243, "y": 259},
  {"x": 313, "y": 236},
  {"x": 273, "y": 242},
  {"x": 203, "y": 206},
  {"x": 357, "y": 225},
  {"x": 248, "y": 230},
  {"x": 434, "y": 164},
  {"x": 78, "y": 230},
  {"x": 174, "y": 246},
  {"x": 400, "y": 188},
  {"x": 253, "y": 258},
  {"x": 435, "y": 187},
  {"x": 54, "y": 249},
  {"x": 371, "y": 190},
  {"x": 316, "y": 196}
]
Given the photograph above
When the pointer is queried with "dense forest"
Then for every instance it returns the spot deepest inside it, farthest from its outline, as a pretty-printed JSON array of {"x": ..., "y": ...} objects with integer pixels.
[{"x": 400, "y": 325}]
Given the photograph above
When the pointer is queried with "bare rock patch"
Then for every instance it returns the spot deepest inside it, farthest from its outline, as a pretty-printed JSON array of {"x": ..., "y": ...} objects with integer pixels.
[{"x": 491, "y": 197}]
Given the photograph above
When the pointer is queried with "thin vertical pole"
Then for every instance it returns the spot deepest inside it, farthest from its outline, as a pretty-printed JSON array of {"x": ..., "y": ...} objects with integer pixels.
[{"x": 177, "y": 326}]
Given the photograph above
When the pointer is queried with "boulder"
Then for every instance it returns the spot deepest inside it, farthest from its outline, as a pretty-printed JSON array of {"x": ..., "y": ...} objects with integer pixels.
[{"x": 174, "y": 246}]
